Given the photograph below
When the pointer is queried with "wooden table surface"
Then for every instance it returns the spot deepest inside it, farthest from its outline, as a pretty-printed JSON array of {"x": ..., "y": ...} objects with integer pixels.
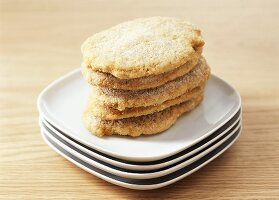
[{"x": 40, "y": 41}]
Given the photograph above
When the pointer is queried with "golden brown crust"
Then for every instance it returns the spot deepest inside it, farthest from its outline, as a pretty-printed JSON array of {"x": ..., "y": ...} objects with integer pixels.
[
  {"x": 136, "y": 126},
  {"x": 122, "y": 99},
  {"x": 143, "y": 47},
  {"x": 107, "y": 113}
]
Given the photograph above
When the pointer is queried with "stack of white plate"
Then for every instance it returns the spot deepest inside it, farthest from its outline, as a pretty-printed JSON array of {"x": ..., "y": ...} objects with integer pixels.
[{"x": 146, "y": 162}]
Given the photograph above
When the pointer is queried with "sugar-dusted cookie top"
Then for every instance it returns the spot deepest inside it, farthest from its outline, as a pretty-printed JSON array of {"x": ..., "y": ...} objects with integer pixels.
[{"x": 143, "y": 47}]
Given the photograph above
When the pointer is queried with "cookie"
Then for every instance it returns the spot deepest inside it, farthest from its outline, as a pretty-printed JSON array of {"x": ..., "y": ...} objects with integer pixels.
[
  {"x": 102, "y": 79},
  {"x": 107, "y": 113},
  {"x": 143, "y": 47},
  {"x": 122, "y": 99},
  {"x": 136, "y": 126}
]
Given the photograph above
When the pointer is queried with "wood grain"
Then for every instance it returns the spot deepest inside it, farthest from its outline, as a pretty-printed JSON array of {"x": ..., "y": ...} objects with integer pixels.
[{"x": 40, "y": 41}]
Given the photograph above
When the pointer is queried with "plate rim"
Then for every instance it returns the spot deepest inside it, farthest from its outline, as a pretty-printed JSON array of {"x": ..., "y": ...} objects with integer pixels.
[
  {"x": 141, "y": 187},
  {"x": 133, "y": 175},
  {"x": 137, "y": 166}
]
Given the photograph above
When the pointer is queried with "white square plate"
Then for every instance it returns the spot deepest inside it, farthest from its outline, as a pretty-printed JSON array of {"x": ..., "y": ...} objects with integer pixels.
[
  {"x": 142, "y": 166},
  {"x": 63, "y": 101},
  {"x": 135, "y": 174},
  {"x": 143, "y": 184}
]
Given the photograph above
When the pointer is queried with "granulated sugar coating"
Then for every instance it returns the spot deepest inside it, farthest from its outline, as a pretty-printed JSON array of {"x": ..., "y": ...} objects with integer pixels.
[{"x": 143, "y": 47}]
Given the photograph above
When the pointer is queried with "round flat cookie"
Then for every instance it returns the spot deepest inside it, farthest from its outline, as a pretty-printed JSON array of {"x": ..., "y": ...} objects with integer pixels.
[
  {"x": 143, "y": 47},
  {"x": 136, "y": 126},
  {"x": 102, "y": 79},
  {"x": 122, "y": 99},
  {"x": 107, "y": 113}
]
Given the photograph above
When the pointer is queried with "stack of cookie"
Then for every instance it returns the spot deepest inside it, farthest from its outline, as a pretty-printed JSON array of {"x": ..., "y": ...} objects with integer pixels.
[{"x": 144, "y": 74}]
